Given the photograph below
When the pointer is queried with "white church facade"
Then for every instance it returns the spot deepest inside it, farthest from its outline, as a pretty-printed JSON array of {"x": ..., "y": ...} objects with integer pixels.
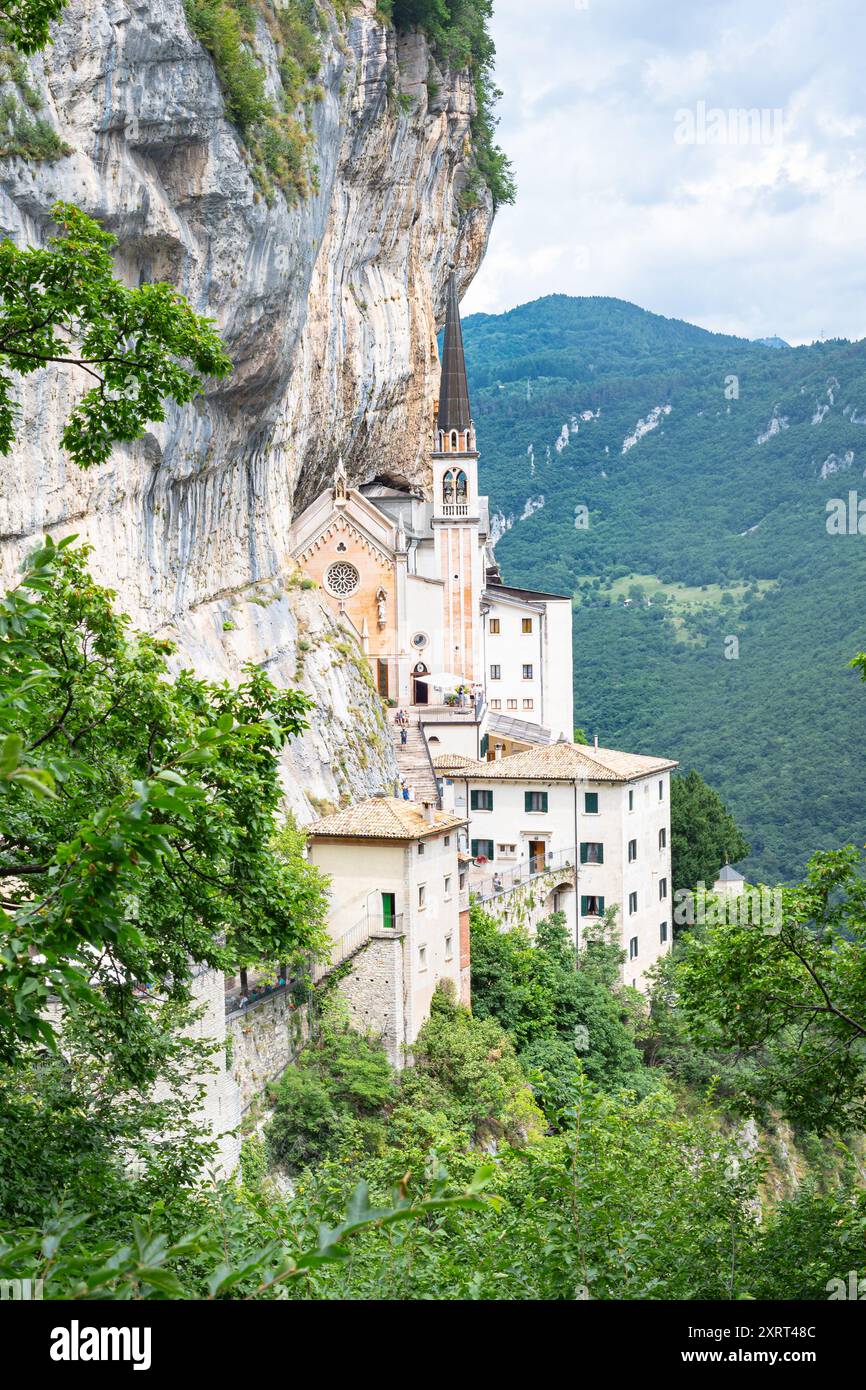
[{"x": 412, "y": 572}]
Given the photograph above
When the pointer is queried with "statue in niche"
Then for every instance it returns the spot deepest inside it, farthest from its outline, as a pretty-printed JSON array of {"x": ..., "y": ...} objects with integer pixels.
[
  {"x": 381, "y": 601},
  {"x": 341, "y": 484}
]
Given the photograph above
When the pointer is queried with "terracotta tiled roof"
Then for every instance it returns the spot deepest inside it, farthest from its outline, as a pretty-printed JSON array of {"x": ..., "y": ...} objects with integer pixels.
[
  {"x": 383, "y": 818},
  {"x": 563, "y": 762},
  {"x": 452, "y": 762}
]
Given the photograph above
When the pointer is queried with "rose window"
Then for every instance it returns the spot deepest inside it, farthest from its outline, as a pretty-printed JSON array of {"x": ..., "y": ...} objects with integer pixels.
[{"x": 342, "y": 578}]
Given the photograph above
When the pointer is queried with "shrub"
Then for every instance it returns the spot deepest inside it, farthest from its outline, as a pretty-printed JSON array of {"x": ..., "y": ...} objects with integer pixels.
[{"x": 305, "y": 1123}]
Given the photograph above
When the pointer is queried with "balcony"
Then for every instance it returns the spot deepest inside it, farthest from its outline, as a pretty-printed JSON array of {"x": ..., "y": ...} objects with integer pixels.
[{"x": 492, "y": 883}]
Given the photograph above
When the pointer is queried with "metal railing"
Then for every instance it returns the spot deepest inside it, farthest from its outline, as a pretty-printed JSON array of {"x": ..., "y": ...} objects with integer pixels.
[
  {"x": 352, "y": 941},
  {"x": 447, "y": 714},
  {"x": 505, "y": 881}
]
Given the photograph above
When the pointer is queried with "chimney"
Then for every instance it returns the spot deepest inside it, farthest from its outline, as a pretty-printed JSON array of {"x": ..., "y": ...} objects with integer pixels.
[
  {"x": 430, "y": 812},
  {"x": 595, "y": 743}
]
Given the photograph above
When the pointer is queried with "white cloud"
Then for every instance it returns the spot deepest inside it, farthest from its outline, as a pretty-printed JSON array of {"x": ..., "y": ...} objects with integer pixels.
[{"x": 745, "y": 237}]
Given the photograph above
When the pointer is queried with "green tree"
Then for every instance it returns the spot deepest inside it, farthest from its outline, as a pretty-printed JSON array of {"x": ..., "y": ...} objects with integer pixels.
[
  {"x": 790, "y": 996},
  {"x": 26, "y": 24},
  {"x": 137, "y": 817},
  {"x": 533, "y": 989},
  {"x": 704, "y": 834},
  {"x": 61, "y": 303}
]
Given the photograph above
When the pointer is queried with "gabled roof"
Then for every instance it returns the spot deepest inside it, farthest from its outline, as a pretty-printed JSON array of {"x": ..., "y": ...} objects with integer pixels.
[
  {"x": 383, "y": 818},
  {"x": 452, "y": 762},
  {"x": 454, "y": 412},
  {"x": 730, "y": 875},
  {"x": 564, "y": 762}
]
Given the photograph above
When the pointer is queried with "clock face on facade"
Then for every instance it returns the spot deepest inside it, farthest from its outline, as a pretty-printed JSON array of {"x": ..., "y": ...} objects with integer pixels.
[
  {"x": 420, "y": 640},
  {"x": 342, "y": 579}
]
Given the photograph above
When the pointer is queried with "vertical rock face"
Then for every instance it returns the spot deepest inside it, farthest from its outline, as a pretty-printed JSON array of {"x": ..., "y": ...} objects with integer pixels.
[{"x": 328, "y": 307}]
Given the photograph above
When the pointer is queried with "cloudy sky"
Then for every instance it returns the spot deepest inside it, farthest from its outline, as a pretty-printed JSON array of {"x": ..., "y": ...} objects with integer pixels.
[{"x": 638, "y": 178}]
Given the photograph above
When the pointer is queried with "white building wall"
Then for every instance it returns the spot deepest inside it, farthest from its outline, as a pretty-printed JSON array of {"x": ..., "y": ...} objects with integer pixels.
[
  {"x": 361, "y": 870},
  {"x": 613, "y": 826},
  {"x": 558, "y": 670},
  {"x": 433, "y": 926},
  {"x": 510, "y": 650}
]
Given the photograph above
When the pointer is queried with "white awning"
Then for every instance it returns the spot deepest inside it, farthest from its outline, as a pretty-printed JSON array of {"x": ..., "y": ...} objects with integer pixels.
[{"x": 441, "y": 680}]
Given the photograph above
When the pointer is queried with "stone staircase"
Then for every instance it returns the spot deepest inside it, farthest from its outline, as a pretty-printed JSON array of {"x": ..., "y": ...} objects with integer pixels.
[{"x": 413, "y": 760}]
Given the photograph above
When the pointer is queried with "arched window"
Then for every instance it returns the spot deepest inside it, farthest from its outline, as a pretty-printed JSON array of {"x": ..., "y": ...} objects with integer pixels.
[
  {"x": 462, "y": 487},
  {"x": 453, "y": 441},
  {"x": 448, "y": 487}
]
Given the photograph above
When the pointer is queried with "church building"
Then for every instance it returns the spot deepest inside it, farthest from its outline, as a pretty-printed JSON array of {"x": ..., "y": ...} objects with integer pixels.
[{"x": 412, "y": 572}]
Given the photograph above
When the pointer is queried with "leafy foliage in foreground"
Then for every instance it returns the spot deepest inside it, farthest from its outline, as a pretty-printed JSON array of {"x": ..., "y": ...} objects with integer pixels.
[
  {"x": 61, "y": 303},
  {"x": 137, "y": 818},
  {"x": 26, "y": 24},
  {"x": 791, "y": 997}
]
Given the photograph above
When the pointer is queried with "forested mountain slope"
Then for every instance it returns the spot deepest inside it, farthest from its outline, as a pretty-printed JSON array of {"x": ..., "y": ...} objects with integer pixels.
[{"x": 705, "y": 464}]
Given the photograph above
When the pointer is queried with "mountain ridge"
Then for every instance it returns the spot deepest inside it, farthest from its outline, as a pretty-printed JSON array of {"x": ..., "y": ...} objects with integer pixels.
[{"x": 705, "y": 466}]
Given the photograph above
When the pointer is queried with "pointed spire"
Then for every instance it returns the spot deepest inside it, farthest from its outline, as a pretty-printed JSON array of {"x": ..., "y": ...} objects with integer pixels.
[{"x": 454, "y": 412}]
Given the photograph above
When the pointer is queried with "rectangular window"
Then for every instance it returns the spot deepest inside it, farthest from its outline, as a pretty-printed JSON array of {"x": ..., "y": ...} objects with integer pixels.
[
  {"x": 512, "y": 704},
  {"x": 447, "y": 841},
  {"x": 494, "y": 624},
  {"x": 449, "y": 953},
  {"x": 591, "y": 905},
  {"x": 663, "y": 932},
  {"x": 590, "y": 803},
  {"x": 496, "y": 704},
  {"x": 632, "y": 851},
  {"x": 661, "y": 790},
  {"x": 421, "y": 846},
  {"x": 482, "y": 849},
  {"x": 422, "y": 957},
  {"x": 462, "y": 882},
  {"x": 527, "y": 673},
  {"x": 632, "y": 948},
  {"x": 663, "y": 838},
  {"x": 481, "y": 800},
  {"x": 422, "y": 895},
  {"x": 528, "y": 704},
  {"x": 591, "y": 852},
  {"x": 526, "y": 624},
  {"x": 631, "y": 798},
  {"x": 535, "y": 801},
  {"x": 507, "y": 851},
  {"x": 448, "y": 885},
  {"x": 663, "y": 888},
  {"x": 496, "y": 673},
  {"x": 632, "y": 903}
]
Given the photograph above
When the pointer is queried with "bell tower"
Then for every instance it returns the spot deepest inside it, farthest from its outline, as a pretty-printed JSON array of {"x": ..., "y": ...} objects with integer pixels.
[{"x": 456, "y": 505}]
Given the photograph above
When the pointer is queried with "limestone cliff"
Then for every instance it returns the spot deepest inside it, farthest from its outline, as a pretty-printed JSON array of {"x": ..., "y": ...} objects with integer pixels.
[{"x": 328, "y": 306}]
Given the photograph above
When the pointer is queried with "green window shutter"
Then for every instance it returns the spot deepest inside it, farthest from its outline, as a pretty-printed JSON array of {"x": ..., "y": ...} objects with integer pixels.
[
  {"x": 473, "y": 801},
  {"x": 527, "y": 801},
  {"x": 544, "y": 801},
  {"x": 590, "y": 803}
]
